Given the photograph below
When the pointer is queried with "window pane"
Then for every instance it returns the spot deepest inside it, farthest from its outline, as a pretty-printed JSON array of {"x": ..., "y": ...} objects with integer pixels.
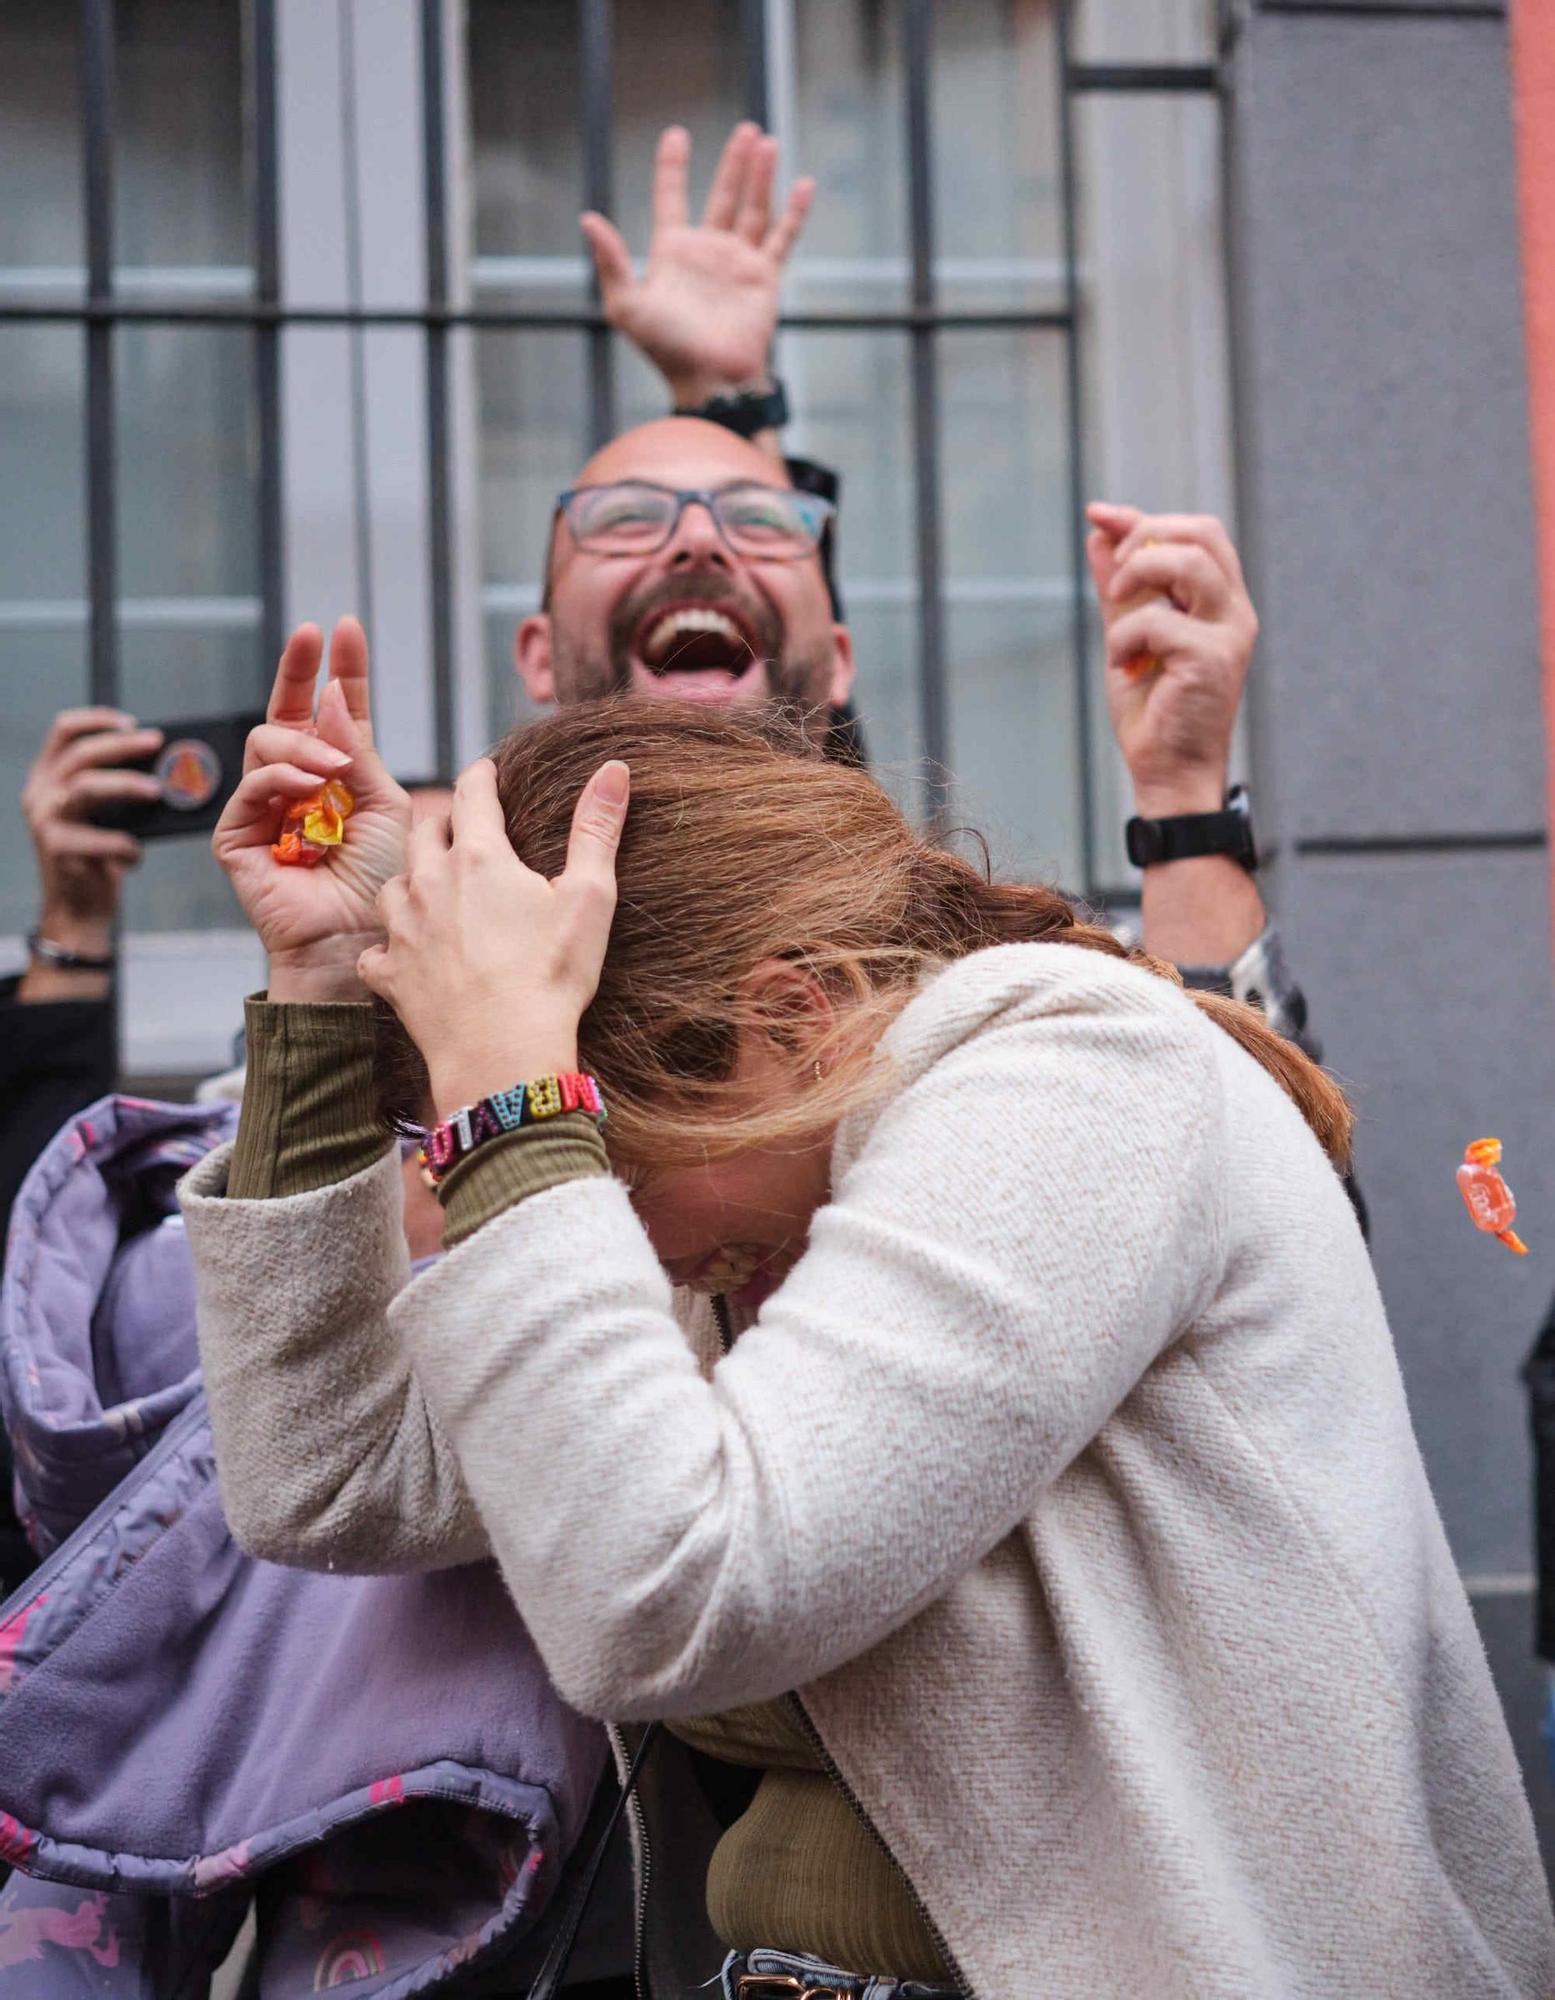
[
  {"x": 1144, "y": 30},
  {"x": 1156, "y": 364},
  {"x": 525, "y": 96},
  {"x": 850, "y": 393},
  {"x": 42, "y": 464},
  {"x": 849, "y": 131},
  {"x": 45, "y": 671},
  {"x": 40, "y": 161},
  {"x": 1014, "y": 736},
  {"x": 677, "y": 65},
  {"x": 998, "y": 212},
  {"x": 1005, "y": 460},
  {"x": 1014, "y": 740},
  {"x": 188, "y": 455},
  {"x": 532, "y": 401},
  {"x": 180, "y": 189}
]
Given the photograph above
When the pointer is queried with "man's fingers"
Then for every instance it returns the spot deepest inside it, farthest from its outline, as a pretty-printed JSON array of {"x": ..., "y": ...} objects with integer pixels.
[
  {"x": 1100, "y": 555},
  {"x": 612, "y": 259},
  {"x": 109, "y": 746},
  {"x": 1113, "y": 520},
  {"x": 671, "y": 167},
  {"x": 73, "y": 722},
  {"x": 1188, "y": 574},
  {"x": 784, "y": 233},
  {"x": 754, "y": 215},
  {"x": 1156, "y": 630},
  {"x": 1201, "y": 529},
  {"x": 348, "y": 671},
  {"x": 92, "y": 843},
  {"x": 723, "y": 197},
  {"x": 597, "y": 820},
  {"x": 94, "y": 788},
  {"x": 291, "y": 698}
]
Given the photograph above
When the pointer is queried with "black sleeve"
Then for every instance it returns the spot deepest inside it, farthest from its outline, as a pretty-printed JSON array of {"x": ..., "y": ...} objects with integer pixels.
[
  {"x": 1539, "y": 1374},
  {"x": 56, "y": 1057}
]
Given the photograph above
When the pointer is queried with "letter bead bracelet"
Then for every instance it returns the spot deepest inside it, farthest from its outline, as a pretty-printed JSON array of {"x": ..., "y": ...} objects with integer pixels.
[{"x": 506, "y": 1111}]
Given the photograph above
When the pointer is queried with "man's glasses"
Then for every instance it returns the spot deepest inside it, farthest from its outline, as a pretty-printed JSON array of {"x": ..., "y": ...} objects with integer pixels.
[{"x": 637, "y": 518}]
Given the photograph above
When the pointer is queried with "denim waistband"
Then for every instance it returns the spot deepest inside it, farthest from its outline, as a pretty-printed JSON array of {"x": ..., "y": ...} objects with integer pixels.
[{"x": 794, "y": 1973}]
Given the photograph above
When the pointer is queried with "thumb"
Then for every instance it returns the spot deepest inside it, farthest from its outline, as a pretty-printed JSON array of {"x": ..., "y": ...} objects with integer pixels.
[
  {"x": 612, "y": 260},
  {"x": 1100, "y": 555},
  {"x": 597, "y": 822}
]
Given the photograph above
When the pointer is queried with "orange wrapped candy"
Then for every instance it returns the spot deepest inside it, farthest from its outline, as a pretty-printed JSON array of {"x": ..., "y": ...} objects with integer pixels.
[
  {"x": 1487, "y": 1197},
  {"x": 313, "y": 826}
]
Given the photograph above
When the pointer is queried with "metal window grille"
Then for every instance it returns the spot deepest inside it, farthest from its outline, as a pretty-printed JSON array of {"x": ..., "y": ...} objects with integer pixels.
[{"x": 104, "y": 310}]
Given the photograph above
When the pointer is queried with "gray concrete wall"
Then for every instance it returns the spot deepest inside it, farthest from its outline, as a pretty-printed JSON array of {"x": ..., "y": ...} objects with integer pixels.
[{"x": 1398, "y": 736}]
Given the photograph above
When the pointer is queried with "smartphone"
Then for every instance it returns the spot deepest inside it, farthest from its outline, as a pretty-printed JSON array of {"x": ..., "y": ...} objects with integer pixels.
[{"x": 198, "y": 765}]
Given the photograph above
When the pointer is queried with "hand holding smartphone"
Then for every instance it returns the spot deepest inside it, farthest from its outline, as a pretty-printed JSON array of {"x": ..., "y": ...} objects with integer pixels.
[{"x": 197, "y": 765}]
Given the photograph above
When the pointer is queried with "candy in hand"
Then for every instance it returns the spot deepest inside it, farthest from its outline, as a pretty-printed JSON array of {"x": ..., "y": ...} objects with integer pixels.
[
  {"x": 1487, "y": 1197},
  {"x": 313, "y": 826},
  {"x": 1141, "y": 664}
]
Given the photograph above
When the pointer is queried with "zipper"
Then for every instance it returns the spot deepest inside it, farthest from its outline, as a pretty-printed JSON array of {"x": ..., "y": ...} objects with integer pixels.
[
  {"x": 829, "y": 1763},
  {"x": 644, "y": 1872}
]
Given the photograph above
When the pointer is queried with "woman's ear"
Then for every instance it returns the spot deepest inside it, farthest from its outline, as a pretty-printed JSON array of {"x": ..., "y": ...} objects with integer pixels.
[{"x": 784, "y": 1012}]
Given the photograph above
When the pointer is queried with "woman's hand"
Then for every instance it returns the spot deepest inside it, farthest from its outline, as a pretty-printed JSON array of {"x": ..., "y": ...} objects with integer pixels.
[
  {"x": 314, "y": 922},
  {"x": 489, "y": 966}
]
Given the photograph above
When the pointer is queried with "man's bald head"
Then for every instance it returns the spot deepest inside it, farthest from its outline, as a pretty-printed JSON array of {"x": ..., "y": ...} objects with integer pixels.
[
  {"x": 779, "y": 637},
  {"x": 667, "y": 441}
]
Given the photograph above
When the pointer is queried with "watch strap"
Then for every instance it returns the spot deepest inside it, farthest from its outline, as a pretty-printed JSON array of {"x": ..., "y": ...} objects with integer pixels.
[
  {"x": 1188, "y": 836},
  {"x": 47, "y": 952},
  {"x": 747, "y": 411}
]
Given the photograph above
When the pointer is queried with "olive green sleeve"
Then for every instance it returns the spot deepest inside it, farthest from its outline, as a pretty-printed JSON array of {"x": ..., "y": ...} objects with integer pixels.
[
  {"x": 309, "y": 1120},
  {"x": 308, "y": 1116},
  {"x": 507, "y": 1170}
]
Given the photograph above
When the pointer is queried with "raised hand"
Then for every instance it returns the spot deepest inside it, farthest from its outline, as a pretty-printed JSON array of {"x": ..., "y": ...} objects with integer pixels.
[
  {"x": 489, "y": 966},
  {"x": 706, "y": 305},
  {"x": 1180, "y": 629},
  {"x": 314, "y": 922}
]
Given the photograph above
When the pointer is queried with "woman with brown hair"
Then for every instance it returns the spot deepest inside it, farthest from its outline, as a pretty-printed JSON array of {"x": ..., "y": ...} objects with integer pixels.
[{"x": 1032, "y": 1508}]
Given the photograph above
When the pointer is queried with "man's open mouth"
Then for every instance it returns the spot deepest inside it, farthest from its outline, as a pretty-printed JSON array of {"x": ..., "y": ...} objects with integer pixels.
[{"x": 692, "y": 639}]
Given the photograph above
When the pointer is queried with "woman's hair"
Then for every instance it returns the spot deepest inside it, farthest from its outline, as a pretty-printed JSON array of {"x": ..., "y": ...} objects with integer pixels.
[{"x": 742, "y": 845}]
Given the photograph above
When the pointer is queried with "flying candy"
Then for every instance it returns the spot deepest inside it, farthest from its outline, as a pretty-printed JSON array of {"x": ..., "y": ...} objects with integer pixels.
[
  {"x": 313, "y": 826},
  {"x": 1486, "y": 1195}
]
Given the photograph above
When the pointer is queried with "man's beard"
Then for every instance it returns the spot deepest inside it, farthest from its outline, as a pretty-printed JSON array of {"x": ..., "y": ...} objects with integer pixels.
[{"x": 794, "y": 678}]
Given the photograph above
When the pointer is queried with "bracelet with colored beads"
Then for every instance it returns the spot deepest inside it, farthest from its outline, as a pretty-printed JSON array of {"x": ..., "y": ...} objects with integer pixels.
[{"x": 506, "y": 1111}]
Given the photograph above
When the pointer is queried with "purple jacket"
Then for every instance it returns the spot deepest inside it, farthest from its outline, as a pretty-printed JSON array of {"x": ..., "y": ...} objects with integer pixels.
[{"x": 379, "y": 1763}]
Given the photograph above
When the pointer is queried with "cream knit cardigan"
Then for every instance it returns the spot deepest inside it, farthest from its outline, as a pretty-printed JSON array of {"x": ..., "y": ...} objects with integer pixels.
[{"x": 1068, "y": 1476}]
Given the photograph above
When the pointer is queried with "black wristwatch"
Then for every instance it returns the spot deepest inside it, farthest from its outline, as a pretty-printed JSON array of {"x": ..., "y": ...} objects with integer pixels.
[
  {"x": 1188, "y": 835},
  {"x": 746, "y": 413}
]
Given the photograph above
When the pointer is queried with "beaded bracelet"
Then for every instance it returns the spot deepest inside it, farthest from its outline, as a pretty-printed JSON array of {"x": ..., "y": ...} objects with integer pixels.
[{"x": 505, "y": 1111}]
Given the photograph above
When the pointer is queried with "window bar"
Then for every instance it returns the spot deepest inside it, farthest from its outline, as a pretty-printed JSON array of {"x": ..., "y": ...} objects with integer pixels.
[
  {"x": 1172, "y": 79},
  {"x": 594, "y": 52},
  {"x": 753, "y": 38},
  {"x": 925, "y": 418},
  {"x": 1074, "y": 416},
  {"x": 438, "y": 511},
  {"x": 267, "y": 335},
  {"x": 97, "y": 68},
  {"x": 539, "y": 319}
]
